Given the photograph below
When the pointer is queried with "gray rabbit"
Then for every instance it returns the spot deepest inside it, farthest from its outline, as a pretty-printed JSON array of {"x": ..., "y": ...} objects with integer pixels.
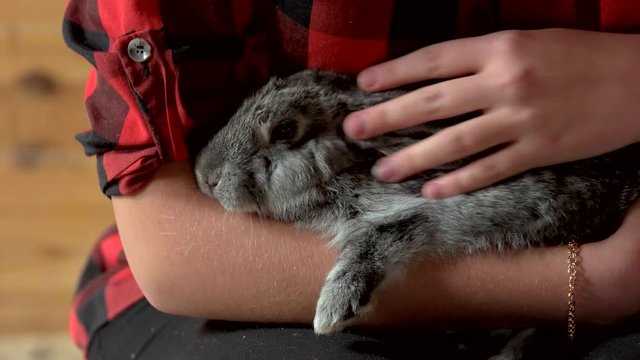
[{"x": 284, "y": 155}]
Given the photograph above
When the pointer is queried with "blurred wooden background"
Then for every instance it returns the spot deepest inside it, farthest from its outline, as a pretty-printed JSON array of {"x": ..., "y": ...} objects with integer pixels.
[{"x": 51, "y": 210}]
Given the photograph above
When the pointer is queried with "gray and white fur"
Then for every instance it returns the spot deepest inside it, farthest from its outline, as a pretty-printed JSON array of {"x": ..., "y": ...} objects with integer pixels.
[{"x": 284, "y": 155}]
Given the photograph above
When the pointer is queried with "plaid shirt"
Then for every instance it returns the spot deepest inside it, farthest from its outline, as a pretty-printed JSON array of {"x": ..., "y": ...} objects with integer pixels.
[{"x": 206, "y": 56}]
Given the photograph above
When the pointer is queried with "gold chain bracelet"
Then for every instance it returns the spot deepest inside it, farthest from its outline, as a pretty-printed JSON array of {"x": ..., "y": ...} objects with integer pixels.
[{"x": 574, "y": 250}]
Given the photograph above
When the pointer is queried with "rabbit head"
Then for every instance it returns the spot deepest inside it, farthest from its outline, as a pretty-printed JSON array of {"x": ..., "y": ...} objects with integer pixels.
[{"x": 280, "y": 148}]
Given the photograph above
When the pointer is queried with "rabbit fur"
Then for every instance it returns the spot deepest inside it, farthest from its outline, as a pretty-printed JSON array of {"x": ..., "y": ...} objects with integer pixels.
[{"x": 283, "y": 155}]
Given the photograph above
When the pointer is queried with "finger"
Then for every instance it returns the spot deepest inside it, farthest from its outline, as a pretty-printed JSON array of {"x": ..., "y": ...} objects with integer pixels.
[
  {"x": 443, "y": 60},
  {"x": 439, "y": 101},
  {"x": 448, "y": 145},
  {"x": 503, "y": 164}
]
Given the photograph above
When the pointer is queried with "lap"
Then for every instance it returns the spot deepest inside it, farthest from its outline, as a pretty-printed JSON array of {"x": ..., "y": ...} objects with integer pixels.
[{"x": 144, "y": 333}]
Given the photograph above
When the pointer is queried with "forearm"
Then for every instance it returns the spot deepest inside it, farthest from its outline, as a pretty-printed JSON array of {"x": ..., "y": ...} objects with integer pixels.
[
  {"x": 192, "y": 258},
  {"x": 526, "y": 288}
]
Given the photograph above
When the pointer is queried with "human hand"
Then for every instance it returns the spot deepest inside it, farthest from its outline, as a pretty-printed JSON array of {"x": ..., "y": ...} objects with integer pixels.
[
  {"x": 608, "y": 286},
  {"x": 550, "y": 96}
]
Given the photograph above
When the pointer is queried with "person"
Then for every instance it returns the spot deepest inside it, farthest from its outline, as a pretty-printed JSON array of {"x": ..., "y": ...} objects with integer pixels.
[{"x": 552, "y": 80}]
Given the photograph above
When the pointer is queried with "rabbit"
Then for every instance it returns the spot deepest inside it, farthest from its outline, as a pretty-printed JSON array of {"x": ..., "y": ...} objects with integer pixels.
[{"x": 284, "y": 155}]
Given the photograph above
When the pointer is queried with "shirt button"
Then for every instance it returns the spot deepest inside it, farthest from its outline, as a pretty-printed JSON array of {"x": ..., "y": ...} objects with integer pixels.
[{"x": 139, "y": 50}]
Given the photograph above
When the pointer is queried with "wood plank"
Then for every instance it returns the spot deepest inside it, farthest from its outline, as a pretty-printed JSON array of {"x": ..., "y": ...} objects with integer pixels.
[
  {"x": 32, "y": 37},
  {"x": 51, "y": 209},
  {"x": 32, "y": 10},
  {"x": 57, "y": 176},
  {"x": 66, "y": 69},
  {"x": 27, "y": 47},
  {"x": 38, "y": 94},
  {"x": 38, "y": 46},
  {"x": 40, "y": 265},
  {"x": 51, "y": 215},
  {"x": 46, "y": 121},
  {"x": 54, "y": 346},
  {"x": 6, "y": 126}
]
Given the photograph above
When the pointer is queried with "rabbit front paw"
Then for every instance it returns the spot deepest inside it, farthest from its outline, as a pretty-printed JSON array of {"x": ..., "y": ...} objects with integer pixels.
[{"x": 341, "y": 302}]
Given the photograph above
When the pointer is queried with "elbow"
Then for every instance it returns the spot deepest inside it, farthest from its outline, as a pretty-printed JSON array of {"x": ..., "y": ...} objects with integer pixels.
[
  {"x": 174, "y": 284},
  {"x": 173, "y": 279},
  {"x": 161, "y": 287},
  {"x": 160, "y": 295},
  {"x": 163, "y": 276}
]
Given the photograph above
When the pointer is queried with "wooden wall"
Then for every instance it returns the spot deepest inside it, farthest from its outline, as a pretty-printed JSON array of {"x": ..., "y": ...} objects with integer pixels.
[{"x": 50, "y": 208}]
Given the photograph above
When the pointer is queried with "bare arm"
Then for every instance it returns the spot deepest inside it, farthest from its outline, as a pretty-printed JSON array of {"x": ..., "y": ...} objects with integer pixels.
[{"x": 192, "y": 258}]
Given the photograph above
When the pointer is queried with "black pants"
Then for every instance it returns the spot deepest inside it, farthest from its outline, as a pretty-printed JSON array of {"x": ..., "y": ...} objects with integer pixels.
[{"x": 143, "y": 333}]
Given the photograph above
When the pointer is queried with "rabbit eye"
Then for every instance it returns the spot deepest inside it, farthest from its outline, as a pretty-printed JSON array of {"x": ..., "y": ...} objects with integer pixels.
[{"x": 284, "y": 131}]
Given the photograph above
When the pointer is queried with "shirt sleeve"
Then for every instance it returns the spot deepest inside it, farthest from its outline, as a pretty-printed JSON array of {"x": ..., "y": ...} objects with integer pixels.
[{"x": 160, "y": 69}]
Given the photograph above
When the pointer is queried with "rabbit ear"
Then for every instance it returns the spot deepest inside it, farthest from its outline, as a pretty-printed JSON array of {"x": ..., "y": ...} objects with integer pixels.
[
  {"x": 395, "y": 140},
  {"x": 275, "y": 83},
  {"x": 390, "y": 142},
  {"x": 334, "y": 81},
  {"x": 327, "y": 80}
]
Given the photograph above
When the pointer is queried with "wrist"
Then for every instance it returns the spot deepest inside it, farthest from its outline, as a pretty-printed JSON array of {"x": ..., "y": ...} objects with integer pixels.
[{"x": 606, "y": 291}]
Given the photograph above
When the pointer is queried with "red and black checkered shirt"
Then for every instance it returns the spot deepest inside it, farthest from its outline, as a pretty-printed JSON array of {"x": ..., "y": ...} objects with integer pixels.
[{"x": 207, "y": 55}]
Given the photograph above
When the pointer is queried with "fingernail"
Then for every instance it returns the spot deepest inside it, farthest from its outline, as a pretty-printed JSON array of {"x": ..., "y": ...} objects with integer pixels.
[
  {"x": 433, "y": 190},
  {"x": 385, "y": 170},
  {"x": 355, "y": 126},
  {"x": 366, "y": 80}
]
